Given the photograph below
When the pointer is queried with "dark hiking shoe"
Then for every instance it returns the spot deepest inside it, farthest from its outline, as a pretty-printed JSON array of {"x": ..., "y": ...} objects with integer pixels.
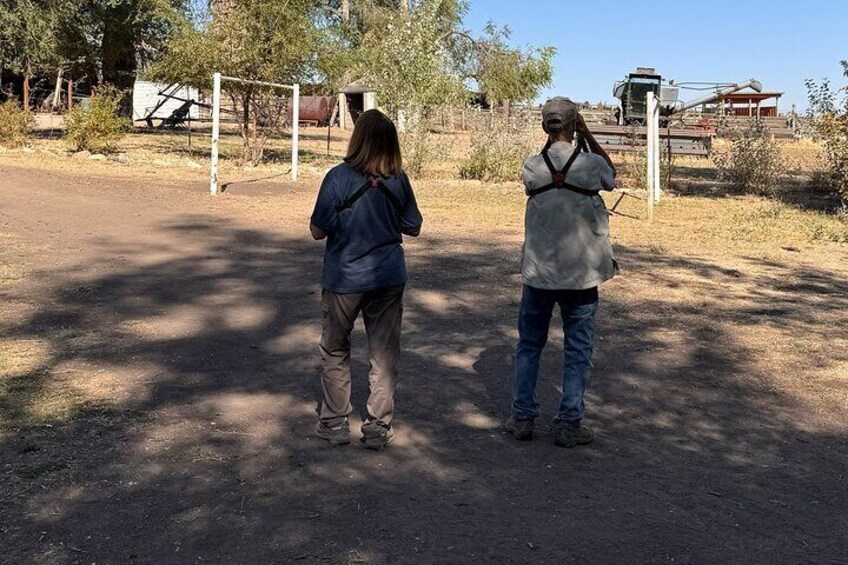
[
  {"x": 572, "y": 435},
  {"x": 338, "y": 435},
  {"x": 522, "y": 430},
  {"x": 376, "y": 435}
]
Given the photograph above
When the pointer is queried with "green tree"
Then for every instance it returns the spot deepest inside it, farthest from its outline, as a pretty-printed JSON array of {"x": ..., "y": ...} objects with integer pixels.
[
  {"x": 417, "y": 55},
  {"x": 29, "y": 37},
  {"x": 505, "y": 73},
  {"x": 424, "y": 56},
  {"x": 407, "y": 59},
  {"x": 828, "y": 115},
  {"x": 266, "y": 40},
  {"x": 115, "y": 36},
  {"x": 107, "y": 37}
]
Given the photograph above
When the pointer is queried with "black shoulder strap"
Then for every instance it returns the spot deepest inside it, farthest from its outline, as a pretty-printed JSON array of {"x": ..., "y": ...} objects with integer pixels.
[
  {"x": 351, "y": 200},
  {"x": 372, "y": 182},
  {"x": 558, "y": 176},
  {"x": 394, "y": 200}
]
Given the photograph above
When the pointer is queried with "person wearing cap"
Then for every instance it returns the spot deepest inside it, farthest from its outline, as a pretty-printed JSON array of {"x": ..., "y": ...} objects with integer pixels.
[{"x": 567, "y": 254}]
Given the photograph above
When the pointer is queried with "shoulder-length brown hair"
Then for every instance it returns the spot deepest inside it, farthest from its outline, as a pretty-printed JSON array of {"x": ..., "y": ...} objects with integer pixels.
[{"x": 374, "y": 148}]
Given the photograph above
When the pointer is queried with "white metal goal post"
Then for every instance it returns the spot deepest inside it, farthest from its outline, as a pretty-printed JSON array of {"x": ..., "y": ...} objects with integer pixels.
[{"x": 217, "y": 78}]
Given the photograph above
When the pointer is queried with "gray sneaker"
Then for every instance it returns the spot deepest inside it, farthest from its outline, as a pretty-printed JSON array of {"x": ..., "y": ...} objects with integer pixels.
[
  {"x": 572, "y": 435},
  {"x": 336, "y": 435},
  {"x": 376, "y": 435},
  {"x": 522, "y": 430}
]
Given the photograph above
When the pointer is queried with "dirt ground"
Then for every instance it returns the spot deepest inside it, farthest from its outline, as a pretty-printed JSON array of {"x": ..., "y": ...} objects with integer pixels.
[{"x": 158, "y": 384}]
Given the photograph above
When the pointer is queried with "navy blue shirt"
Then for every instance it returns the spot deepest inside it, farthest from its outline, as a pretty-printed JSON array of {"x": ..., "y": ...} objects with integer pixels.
[{"x": 364, "y": 242}]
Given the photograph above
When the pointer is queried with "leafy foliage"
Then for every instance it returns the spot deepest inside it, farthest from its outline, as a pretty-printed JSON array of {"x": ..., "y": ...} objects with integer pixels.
[
  {"x": 29, "y": 34},
  {"x": 828, "y": 113},
  {"x": 511, "y": 74},
  {"x": 15, "y": 124},
  {"x": 115, "y": 35},
  {"x": 425, "y": 57},
  {"x": 270, "y": 40},
  {"x": 97, "y": 125},
  {"x": 751, "y": 160},
  {"x": 101, "y": 40},
  {"x": 267, "y": 40},
  {"x": 408, "y": 63}
]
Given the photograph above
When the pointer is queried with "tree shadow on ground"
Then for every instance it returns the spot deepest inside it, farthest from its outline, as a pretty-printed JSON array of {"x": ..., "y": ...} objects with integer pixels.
[{"x": 203, "y": 357}]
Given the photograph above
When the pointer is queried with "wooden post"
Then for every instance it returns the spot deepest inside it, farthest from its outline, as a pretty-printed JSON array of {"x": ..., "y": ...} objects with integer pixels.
[
  {"x": 346, "y": 11},
  {"x": 26, "y": 93},
  {"x": 57, "y": 92},
  {"x": 70, "y": 95}
]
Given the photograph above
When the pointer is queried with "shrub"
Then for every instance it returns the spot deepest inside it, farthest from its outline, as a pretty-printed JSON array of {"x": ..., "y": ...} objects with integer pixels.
[
  {"x": 499, "y": 146},
  {"x": 751, "y": 159},
  {"x": 829, "y": 118},
  {"x": 422, "y": 147},
  {"x": 96, "y": 126},
  {"x": 15, "y": 123}
]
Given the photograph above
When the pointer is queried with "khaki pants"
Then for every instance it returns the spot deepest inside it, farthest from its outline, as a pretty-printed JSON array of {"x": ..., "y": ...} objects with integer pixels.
[{"x": 382, "y": 311}]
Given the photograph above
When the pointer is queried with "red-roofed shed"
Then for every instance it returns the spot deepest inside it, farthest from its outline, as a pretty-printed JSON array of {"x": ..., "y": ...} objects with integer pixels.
[{"x": 750, "y": 104}]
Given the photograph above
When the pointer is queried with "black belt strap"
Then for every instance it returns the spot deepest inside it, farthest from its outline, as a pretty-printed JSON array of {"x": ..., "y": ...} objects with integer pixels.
[
  {"x": 559, "y": 176},
  {"x": 372, "y": 182}
]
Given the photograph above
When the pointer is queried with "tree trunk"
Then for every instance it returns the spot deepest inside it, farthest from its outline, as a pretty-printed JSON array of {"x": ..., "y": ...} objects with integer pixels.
[
  {"x": 404, "y": 7},
  {"x": 119, "y": 54},
  {"x": 346, "y": 11}
]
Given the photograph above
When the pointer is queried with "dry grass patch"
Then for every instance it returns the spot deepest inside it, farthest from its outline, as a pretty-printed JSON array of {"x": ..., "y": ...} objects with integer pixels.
[{"x": 769, "y": 221}]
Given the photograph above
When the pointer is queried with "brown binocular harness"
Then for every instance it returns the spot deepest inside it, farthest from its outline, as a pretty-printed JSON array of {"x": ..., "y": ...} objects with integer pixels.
[
  {"x": 559, "y": 175},
  {"x": 372, "y": 182}
]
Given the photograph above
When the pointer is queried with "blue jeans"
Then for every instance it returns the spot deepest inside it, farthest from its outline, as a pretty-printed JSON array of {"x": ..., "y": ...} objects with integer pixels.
[{"x": 578, "y": 324}]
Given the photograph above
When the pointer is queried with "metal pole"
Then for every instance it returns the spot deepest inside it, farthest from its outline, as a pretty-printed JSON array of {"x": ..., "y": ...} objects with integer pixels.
[
  {"x": 257, "y": 82},
  {"x": 655, "y": 118},
  {"x": 650, "y": 149},
  {"x": 216, "y": 132},
  {"x": 295, "y": 131}
]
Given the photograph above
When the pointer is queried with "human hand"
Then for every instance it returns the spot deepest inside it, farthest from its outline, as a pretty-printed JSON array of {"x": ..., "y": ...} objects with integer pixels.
[{"x": 581, "y": 127}]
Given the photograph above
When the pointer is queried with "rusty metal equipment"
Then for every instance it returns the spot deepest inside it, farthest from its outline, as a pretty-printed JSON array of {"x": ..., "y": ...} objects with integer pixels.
[
  {"x": 633, "y": 91},
  {"x": 316, "y": 110},
  {"x": 632, "y": 115}
]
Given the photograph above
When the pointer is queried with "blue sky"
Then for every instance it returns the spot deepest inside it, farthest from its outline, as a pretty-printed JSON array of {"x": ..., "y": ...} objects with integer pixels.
[{"x": 778, "y": 42}]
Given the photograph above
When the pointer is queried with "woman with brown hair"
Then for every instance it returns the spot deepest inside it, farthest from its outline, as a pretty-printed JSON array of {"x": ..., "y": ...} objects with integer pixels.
[{"x": 364, "y": 207}]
